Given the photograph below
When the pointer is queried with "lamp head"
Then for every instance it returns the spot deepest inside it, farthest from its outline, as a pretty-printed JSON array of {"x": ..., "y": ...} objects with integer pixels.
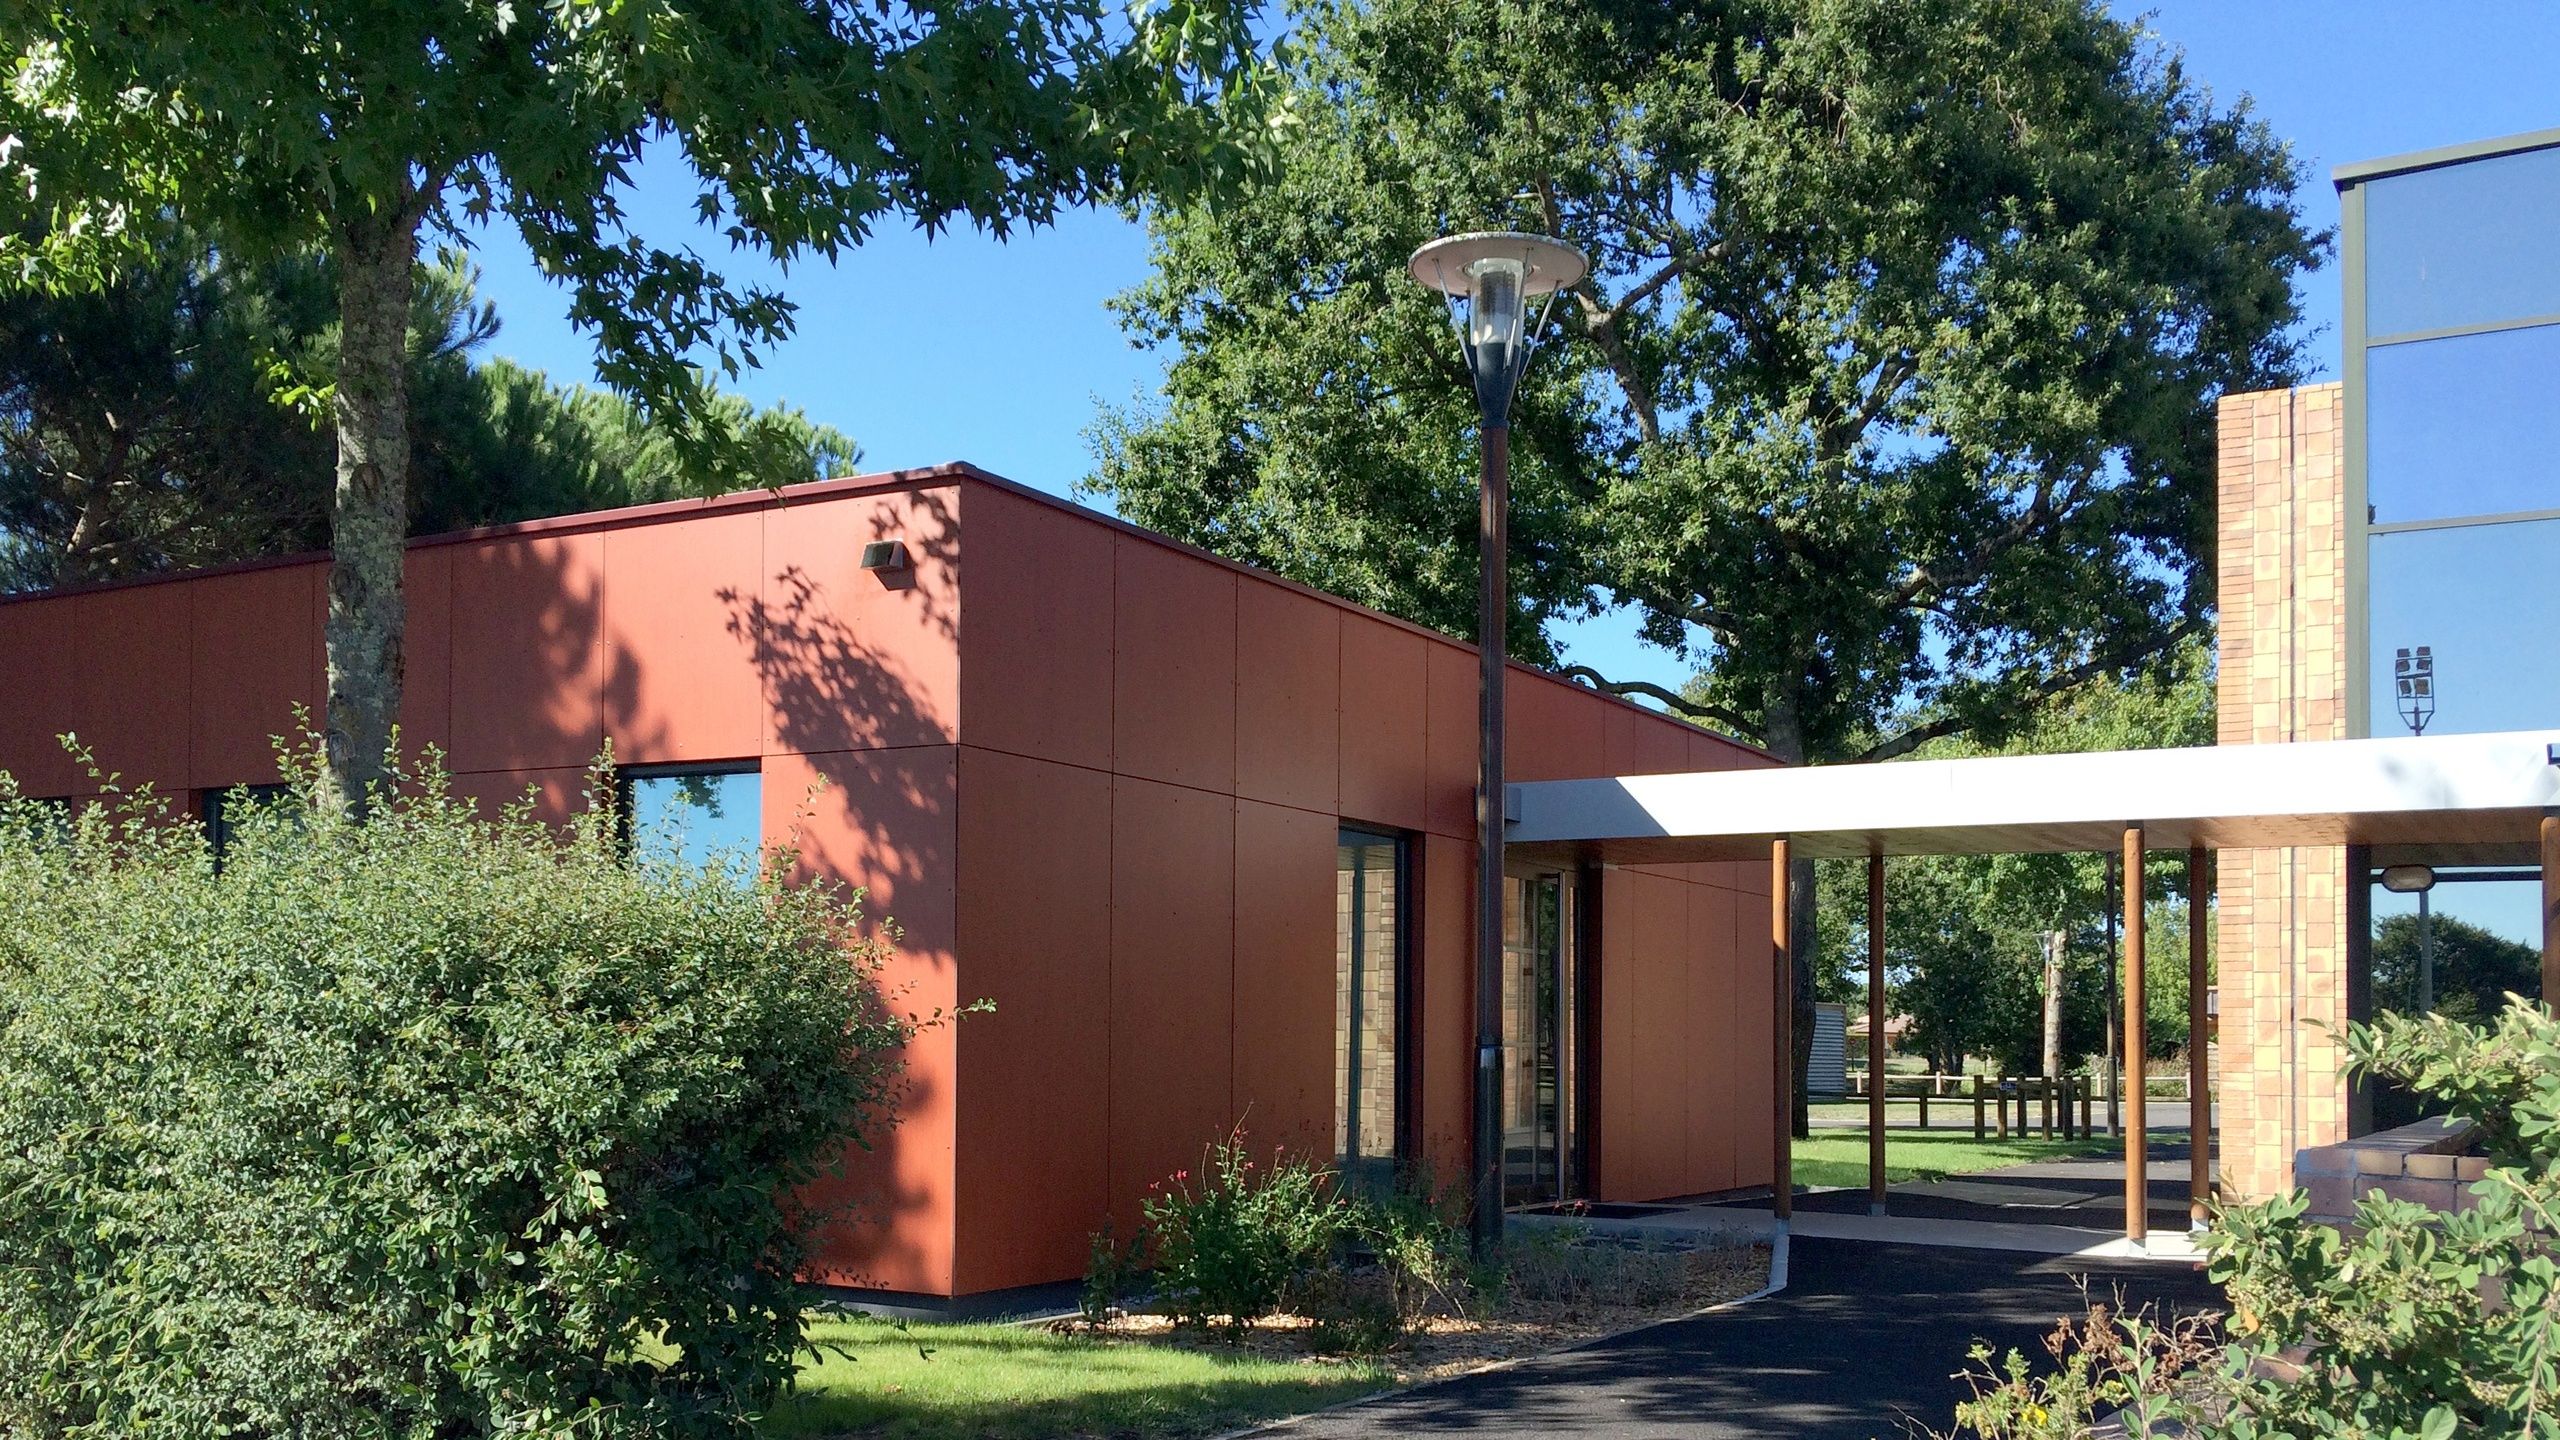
[{"x": 1497, "y": 274}]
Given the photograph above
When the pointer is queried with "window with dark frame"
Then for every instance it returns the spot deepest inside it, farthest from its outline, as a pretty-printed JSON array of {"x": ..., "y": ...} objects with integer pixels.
[
  {"x": 223, "y": 808},
  {"x": 1371, "y": 942}
]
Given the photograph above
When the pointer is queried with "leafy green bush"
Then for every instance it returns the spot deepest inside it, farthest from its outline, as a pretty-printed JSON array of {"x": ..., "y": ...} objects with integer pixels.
[
  {"x": 437, "y": 1125},
  {"x": 1416, "y": 1233},
  {"x": 2409, "y": 1323},
  {"x": 1230, "y": 1242}
]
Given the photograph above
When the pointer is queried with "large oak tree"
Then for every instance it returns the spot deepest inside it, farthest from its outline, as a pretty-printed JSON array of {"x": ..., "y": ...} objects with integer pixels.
[
  {"x": 1888, "y": 401},
  {"x": 274, "y": 128}
]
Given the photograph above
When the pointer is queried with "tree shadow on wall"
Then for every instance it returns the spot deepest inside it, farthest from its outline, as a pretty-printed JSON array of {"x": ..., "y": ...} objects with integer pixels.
[{"x": 841, "y": 667}]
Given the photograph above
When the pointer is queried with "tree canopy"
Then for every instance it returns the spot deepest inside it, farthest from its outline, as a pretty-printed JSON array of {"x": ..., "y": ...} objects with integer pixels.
[
  {"x": 1964, "y": 934},
  {"x": 1888, "y": 399},
  {"x": 276, "y": 129},
  {"x": 139, "y": 428}
]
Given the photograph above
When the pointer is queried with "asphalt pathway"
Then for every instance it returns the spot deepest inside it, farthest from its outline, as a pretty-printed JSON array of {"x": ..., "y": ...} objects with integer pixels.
[{"x": 1865, "y": 1340}]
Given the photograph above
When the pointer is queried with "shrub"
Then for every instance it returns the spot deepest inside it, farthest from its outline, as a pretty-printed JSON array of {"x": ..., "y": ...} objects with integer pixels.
[
  {"x": 1418, "y": 1238},
  {"x": 1231, "y": 1241},
  {"x": 2409, "y": 1322},
  {"x": 441, "y": 1124}
]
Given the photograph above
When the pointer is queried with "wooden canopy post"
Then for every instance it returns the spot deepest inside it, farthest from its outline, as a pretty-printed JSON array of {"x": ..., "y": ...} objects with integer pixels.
[
  {"x": 1782, "y": 1179},
  {"x": 2137, "y": 1128},
  {"x": 2550, "y": 911},
  {"x": 2199, "y": 1078},
  {"x": 1875, "y": 1034}
]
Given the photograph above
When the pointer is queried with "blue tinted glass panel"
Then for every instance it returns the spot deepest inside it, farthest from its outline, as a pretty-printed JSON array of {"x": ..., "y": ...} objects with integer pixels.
[
  {"x": 2466, "y": 244},
  {"x": 2486, "y": 600},
  {"x": 699, "y": 819},
  {"x": 2464, "y": 426}
]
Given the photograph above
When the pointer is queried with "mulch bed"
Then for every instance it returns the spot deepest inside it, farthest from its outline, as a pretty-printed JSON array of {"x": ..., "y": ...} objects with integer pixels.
[{"x": 1444, "y": 1345}]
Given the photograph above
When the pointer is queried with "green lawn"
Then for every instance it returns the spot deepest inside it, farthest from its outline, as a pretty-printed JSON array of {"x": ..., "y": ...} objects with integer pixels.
[
  {"x": 1011, "y": 1382},
  {"x": 1839, "y": 1157}
]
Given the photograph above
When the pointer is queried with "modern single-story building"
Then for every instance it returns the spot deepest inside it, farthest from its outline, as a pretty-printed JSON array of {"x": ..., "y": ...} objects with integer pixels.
[{"x": 1202, "y": 836}]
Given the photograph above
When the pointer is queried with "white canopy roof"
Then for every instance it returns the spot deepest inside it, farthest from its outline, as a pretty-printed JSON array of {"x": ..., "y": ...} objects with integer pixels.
[{"x": 2448, "y": 799}]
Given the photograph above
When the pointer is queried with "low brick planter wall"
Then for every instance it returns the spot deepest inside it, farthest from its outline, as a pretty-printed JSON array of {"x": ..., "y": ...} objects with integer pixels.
[{"x": 2421, "y": 1163}]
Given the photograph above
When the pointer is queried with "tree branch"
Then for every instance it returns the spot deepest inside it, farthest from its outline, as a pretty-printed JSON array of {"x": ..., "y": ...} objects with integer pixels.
[
  {"x": 1731, "y": 720},
  {"x": 2048, "y": 687}
]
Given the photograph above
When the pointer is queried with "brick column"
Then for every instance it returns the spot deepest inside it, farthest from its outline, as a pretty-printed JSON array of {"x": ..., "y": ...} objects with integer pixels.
[{"x": 2280, "y": 972}]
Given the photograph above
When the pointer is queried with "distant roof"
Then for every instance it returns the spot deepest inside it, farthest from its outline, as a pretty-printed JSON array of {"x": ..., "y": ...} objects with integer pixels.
[{"x": 2451, "y": 799}]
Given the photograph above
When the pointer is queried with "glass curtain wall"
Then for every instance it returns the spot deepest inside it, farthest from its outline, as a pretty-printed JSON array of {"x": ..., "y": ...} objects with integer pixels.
[
  {"x": 2453, "y": 370},
  {"x": 1368, "y": 1011}
]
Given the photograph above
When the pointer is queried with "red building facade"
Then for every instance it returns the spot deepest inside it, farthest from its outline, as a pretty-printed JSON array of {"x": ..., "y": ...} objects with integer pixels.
[{"x": 1200, "y": 835}]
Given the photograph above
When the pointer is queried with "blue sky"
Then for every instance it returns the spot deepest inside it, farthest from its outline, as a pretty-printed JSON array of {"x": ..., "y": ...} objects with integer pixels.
[{"x": 962, "y": 348}]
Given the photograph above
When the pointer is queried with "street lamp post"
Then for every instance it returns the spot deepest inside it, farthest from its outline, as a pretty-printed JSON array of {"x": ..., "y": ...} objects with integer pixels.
[
  {"x": 1489, "y": 278},
  {"x": 2413, "y": 674}
]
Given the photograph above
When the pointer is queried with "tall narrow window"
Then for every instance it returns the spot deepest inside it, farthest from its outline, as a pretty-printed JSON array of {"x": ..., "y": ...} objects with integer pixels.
[
  {"x": 1369, "y": 948},
  {"x": 695, "y": 817}
]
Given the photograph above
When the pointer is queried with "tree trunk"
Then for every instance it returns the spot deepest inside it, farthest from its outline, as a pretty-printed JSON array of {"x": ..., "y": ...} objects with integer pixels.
[
  {"x": 1784, "y": 732},
  {"x": 369, "y": 513}
]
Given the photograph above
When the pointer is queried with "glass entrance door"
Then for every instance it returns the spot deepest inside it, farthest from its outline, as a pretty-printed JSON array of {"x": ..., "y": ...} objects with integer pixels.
[{"x": 1538, "y": 1021}]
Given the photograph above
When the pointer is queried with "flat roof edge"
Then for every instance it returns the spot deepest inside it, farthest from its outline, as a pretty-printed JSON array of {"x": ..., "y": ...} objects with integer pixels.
[{"x": 2359, "y": 171}]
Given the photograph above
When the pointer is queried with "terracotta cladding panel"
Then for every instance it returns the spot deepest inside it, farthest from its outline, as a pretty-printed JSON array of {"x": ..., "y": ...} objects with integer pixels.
[
  {"x": 1658, "y": 1033},
  {"x": 132, "y": 681},
  {"x": 40, "y": 653},
  {"x": 1172, "y": 982},
  {"x": 1710, "y": 1041},
  {"x": 884, "y": 821},
  {"x": 1552, "y": 731},
  {"x": 254, "y": 653},
  {"x": 426, "y": 650},
  {"x": 1444, "y": 960},
  {"x": 1450, "y": 740},
  {"x": 1285, "y": 928},
  {"x": 1288, "y": 697},
  {"x": 852, "y": 659},
  {"x": 1035, "y": 939},
  {"x": 526, "y": 671},
  {"x": 1173, "y": 691},
  {"x": 1035, "y": 674},
  {"x": 1662, "y": 746},
  {"x": 556, "y": 795},
  {"x": 1622, "y": 1144},
  {"x": 1385, "y": 703},
  {"x": 680, "y": 623},
  {"x": 1618, "y": 740},
  {"x": 1755, "y": 1087}
]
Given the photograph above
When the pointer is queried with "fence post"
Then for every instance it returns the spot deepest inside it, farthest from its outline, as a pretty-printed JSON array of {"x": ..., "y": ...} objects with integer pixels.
[
  {"x": 1924, "y": 1106},
  {"x": 1977, "y": 1107}
]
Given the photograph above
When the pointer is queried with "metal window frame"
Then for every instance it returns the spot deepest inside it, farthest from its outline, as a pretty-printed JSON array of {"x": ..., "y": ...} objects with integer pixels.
[
  {"x": 2356, "y": 340},
  {"x": 1402, "y": 1129}
]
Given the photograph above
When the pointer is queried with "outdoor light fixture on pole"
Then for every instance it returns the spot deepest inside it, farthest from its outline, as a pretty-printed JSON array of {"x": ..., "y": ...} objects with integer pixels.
[
  {"x": 2419, "y": 880},
  {"x": 1490, "y": 278},
  {"x": 2413, "y": 677}
]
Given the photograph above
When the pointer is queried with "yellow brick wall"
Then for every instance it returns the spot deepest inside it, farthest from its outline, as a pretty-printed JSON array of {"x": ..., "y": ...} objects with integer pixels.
[{"x": 2281, "y": 963}]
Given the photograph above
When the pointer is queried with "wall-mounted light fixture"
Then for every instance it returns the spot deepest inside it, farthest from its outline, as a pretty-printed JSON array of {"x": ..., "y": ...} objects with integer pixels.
[
  {"x": 2418, "y": 880},
  {"x": 885, "y": 555},
  {"x": 2408, "y": 879}
]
